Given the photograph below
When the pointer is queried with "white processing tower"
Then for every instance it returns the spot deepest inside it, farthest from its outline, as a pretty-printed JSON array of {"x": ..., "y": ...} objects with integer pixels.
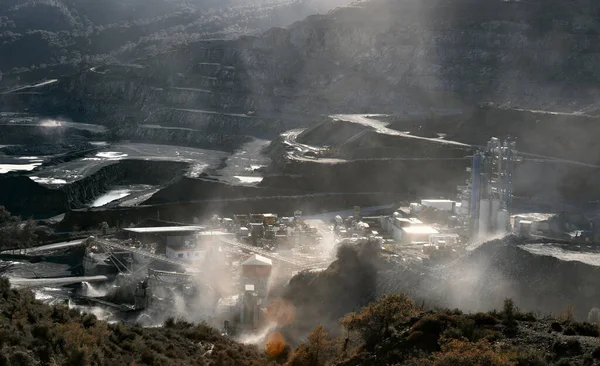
[{"x": 487, "y": 197}]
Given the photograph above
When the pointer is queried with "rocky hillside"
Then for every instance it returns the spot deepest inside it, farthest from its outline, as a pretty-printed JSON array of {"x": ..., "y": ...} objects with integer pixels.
[
  {"x": 390, "y": 331},
  {"x": 559, "y": 151},
  {"x": 47, "y": 38},
  {"x": 377, "y": 56},
  {"x": 21, "y": 195},
  {"x": 502, "y": 269},
  {"x": 48, "y": 335}
]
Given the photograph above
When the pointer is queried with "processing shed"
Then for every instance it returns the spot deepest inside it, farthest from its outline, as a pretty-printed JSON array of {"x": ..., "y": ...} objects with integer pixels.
[{"x": 180, "y": 242}]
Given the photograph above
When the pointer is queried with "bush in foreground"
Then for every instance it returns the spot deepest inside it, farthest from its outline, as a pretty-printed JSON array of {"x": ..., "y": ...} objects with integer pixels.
[{"x": 390, "y": 331}]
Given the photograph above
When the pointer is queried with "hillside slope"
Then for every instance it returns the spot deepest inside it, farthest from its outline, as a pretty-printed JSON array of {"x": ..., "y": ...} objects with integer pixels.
[
  {"x": 47, "y": 38},
  {"x": 375, "y": 56}
]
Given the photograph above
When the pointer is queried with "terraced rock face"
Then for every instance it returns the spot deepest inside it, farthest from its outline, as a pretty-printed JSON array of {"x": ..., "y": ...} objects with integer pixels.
[
  {"x": 403, "y": 154},
  {"x": 409, "y": 57},
  {"x": 376, "y": 56},
  {"x": 22, "y": 195}
]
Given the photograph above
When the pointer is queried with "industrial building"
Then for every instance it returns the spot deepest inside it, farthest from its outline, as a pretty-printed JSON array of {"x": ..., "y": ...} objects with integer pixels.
[
  {"x": 196, "y": 247},
  {"x": 486, "y": 199},
  {"x": 417, "y": 234},
  {"x": 440, "y": 204},
  {"x": 407, "y": 230},
  {"x": 173, "y": 235},
  {"x": 256, "y": 272},
  {"x": 179, "y": 242}
]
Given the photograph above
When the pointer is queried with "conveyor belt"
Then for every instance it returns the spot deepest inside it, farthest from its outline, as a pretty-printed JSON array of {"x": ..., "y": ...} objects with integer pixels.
[{"x": 58, "y": 281}]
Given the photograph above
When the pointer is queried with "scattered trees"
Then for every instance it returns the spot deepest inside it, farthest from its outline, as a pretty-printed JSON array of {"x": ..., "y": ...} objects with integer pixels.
[
  {"x": 317, "y": 351},
  {"x": 15, "y": 233},
  {"x": 34, "y": 333},
  {"x": 66, "y": 36}
]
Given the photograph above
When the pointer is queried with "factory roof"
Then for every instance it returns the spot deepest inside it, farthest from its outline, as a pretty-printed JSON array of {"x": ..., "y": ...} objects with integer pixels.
[
  {"x": 446, "y": 235},
  {"x": 213, "y": 233},
  {"x": 404, "y": 222},
  {"x": 257, "y": 260},
  {"x": 164, "y": 229},
  {"x": 419, "y": 229}
]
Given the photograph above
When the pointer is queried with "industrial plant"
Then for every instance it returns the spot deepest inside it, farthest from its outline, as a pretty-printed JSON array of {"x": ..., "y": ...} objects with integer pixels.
[
  {"x": 224, "y": 269},
  {"x": 486, "y": 199}
]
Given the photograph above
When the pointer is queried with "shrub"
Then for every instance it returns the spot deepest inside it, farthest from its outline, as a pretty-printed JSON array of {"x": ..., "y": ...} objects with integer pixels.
[
  {"x": 571, "y": 347},
  {"x": 450, "y": 333},
  {"x": 467, "y": 326},
  {"x": 169, "y": 323},
  {"x": 525, "y": 317},
  {"x": 20, "y": 358},
  {"x": 488, "y": 334},
  {"x": 458, "y": 353},
  {"x": 4, "y": 287},
  {"x": 508, "y": 311},
  {"x": 555, "y": 326},
  {"x": 425, "y": 333},
  {"x": 435, "y": 323},
  {"x": 300, "y": 356},
  {"x": 596, "y": 353},
  {"x": 449, "y": 311},
  {"x": 374, "y": 321},
  {"x": 484, "y": 319},
  {"x": 530, "y": 358},
  {"x": 568, "y": 314},
  {"x": 89, "y": 320},
  {"x": 508, "y": 318},
  {"x": 586, "y": 329},
  {"x": 594, "y": 316}
]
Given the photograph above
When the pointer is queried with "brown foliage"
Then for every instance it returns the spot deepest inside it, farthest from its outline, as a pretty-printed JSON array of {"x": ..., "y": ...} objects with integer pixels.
[
  {"x": 275, "y": 344},
  {"x": 374, "y": 320},
  {"x": 568, "y": 314},
  {"x": 463, "y": 353},
  {"x": 317, "y": 351},
  {"x": 33, "y": 333}
]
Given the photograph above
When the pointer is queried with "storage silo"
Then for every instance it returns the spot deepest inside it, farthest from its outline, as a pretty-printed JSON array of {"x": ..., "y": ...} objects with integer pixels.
[
  {"x": 484, "y": 218},
  {"x": 494, "y": 214},
  {"x": 502, "y": 222}
]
